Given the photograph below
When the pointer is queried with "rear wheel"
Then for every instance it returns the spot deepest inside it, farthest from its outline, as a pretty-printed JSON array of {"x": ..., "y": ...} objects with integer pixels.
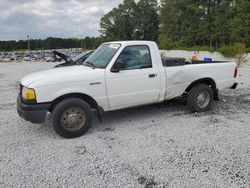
[
  {"x": 200, "y": 98},
  {"x": 72, "y": 117}
]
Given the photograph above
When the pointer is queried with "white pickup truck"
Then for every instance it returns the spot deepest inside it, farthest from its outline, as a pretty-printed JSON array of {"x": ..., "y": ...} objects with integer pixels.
[{"x": 119, "y": 75}]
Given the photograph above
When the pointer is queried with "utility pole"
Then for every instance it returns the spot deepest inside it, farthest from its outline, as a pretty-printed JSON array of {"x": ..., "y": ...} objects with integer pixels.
[{"x": 28, "y": 39}]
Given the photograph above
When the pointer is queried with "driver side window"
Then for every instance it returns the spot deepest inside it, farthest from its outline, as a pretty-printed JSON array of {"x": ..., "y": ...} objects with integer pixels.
[{"x": 135, "y": 57}]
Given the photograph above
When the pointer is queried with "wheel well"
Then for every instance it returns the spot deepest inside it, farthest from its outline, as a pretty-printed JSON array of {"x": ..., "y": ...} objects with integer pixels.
[
  {"x": 208, "y": 81},
  {"x": 85, "y": 97}
]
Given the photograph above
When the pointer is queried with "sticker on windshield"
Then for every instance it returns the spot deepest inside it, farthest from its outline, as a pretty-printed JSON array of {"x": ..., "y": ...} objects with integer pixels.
[{"x": 115, "y": 46}]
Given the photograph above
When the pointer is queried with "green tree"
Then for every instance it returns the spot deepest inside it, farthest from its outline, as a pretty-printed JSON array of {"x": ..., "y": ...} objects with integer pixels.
[
  {"x": 180, "y": 21},
  {"x": 217, "y": 17},
  {"x": 118, "y": 24},
  {"x": 147, "y": 20},
  {"x": 199, "y": 22},
  {"x": 241, "y": 23},
  {"x": 131, "y": 20},
  {"x": 51, "y": 43}
]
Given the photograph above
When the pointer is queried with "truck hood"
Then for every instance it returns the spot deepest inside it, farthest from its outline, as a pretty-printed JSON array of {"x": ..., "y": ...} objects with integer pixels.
[{"x": 62, "y": 75}]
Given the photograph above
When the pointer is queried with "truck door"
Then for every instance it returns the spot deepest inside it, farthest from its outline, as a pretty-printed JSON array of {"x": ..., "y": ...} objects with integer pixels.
[{"x": 137, "y": 81}]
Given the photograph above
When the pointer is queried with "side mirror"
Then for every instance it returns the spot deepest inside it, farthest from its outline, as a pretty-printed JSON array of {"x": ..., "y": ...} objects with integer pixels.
[{"x": 116, "y": 67}]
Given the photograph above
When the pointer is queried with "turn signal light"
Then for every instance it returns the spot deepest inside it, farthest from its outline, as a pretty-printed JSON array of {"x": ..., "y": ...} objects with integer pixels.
[{"x": 28, "y": 94}]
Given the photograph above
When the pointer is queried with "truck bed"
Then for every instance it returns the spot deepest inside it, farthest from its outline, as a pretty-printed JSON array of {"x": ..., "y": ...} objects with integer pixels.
[
  {"x": 175, "y": 61},
  {"x": 180, "y": 74}
]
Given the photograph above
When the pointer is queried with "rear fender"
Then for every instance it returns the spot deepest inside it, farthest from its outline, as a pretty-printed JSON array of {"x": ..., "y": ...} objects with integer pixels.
[{"x": 208, "y": 81}]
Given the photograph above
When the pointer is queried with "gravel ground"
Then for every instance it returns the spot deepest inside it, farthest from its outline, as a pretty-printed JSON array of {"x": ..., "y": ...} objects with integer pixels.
[{"x": 154, "y": 146}]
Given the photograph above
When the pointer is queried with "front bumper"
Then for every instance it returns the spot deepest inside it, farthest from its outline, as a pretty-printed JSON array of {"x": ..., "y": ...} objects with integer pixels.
[{"x": 35, "y": 113}]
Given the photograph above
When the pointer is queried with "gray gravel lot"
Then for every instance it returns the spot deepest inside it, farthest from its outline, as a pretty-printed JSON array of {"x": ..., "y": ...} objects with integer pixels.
[{"x": 154, "y": 146}]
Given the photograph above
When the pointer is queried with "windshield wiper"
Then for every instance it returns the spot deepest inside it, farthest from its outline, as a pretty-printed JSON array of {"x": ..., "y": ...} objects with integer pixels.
[{"x": 90, "y": 64}]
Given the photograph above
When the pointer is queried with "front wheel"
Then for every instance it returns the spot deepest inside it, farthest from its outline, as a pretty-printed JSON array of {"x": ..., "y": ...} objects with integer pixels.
[
  {"x": 200, "y": 98},
  {"x": 72, "y": 117}
]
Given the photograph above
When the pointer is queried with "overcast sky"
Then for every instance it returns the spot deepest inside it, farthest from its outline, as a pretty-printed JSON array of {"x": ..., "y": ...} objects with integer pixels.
[{"x": 55, "y": 18}]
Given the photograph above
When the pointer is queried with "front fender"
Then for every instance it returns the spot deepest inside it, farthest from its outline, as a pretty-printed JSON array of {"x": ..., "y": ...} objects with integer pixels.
[{"x": 50, "y": 93}]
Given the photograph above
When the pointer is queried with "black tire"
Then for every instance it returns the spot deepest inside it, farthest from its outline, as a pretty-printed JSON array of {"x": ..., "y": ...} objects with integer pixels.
[
  {"x": 192, "y": 99},
  {"x": 74, "y": 107}
]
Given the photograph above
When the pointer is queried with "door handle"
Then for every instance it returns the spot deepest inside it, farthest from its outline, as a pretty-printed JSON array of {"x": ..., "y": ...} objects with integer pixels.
[{"x": 152, "y": 75}]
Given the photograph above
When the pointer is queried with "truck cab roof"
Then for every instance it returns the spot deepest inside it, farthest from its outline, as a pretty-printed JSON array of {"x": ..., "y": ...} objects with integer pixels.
[{"x": 132, "y": 42}]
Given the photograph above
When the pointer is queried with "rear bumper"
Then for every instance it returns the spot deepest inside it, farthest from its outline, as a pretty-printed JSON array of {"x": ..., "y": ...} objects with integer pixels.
[
  {"x": 35, "y": 113},
  {"x": 234, "y": 86}
]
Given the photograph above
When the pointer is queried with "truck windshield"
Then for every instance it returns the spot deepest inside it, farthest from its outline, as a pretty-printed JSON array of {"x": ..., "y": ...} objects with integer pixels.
[{"x": 101, "y": 57}]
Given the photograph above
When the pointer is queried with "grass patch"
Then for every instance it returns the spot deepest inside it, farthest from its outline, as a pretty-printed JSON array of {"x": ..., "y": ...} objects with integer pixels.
[{"x": 228, "y": 51}]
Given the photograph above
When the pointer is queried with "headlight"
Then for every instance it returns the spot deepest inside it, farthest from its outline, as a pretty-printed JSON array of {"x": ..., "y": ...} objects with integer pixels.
[{"x": 28, "y": 94}]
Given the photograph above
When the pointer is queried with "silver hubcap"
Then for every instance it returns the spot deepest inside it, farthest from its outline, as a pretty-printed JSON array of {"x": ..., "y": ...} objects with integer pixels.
[
  {"x": 72, "y": 119},
  {"x": 203, "y": 99}
]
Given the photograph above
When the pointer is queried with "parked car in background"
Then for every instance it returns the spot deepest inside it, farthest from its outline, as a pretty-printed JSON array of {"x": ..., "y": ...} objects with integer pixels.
[
  {"x": 13, "y": 57},
  {"x": 49, "y": 59},
  {"x": 26, "y": 58},
  {"x": 6, "y": 60},
  {"x": 40, "y": 55}
]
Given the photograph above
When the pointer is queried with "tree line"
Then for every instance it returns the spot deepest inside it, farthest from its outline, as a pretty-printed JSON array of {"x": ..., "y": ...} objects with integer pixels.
[
  {"x": 204, "y": 24},
  {"x": 212, "y": 23},
  {"x": 51, "y": 43},
  {"x": 180, "y": 23},
  {"x": 132, "y": 21}
]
